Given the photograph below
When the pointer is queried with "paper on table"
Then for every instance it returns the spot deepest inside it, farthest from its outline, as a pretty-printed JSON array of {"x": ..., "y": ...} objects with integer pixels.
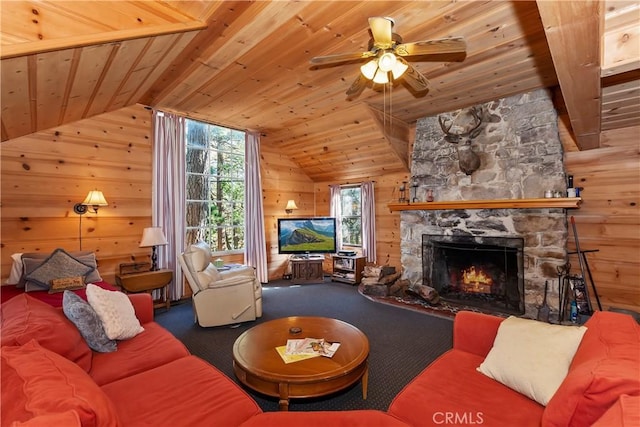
[{"x": 290, "y": 358}]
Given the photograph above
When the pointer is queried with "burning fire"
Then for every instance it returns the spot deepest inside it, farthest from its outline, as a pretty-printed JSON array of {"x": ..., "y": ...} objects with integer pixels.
[{"x": 476, "y": 281}]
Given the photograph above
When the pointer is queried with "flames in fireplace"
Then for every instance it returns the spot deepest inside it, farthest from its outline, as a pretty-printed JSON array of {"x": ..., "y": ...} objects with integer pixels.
[{"x": 476, "y": 281}]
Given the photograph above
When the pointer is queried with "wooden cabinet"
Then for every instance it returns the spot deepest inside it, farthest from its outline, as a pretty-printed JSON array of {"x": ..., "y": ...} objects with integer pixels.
[
  {"x": 348, "y": 269},
  {"x": 307, "y": 270}
]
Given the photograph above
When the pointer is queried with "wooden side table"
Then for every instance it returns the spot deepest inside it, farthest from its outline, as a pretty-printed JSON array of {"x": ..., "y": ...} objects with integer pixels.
[{"x": 147, "y": 281}]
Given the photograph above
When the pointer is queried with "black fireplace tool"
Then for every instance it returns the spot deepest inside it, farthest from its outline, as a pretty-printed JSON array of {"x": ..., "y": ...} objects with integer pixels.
[
  {"x": 582, "y": 260},
  {"x": 563, "y": 290},
  {"x": 543, "y": 312}
]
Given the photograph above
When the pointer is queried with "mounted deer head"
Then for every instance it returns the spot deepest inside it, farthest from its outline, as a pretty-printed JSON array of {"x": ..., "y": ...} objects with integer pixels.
[{"x": 467, "y": 123}]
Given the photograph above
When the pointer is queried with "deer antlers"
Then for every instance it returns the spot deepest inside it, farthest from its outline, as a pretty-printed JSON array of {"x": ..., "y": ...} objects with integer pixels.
[{"x": 456, "y": 137}]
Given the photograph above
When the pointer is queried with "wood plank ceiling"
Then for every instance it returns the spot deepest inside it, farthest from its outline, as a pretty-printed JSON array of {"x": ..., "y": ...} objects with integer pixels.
[{"x": 246, "y": 65}]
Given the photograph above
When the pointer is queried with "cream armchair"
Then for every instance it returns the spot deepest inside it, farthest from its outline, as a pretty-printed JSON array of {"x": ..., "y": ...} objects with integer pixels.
[{"x": 220, "y": 297}]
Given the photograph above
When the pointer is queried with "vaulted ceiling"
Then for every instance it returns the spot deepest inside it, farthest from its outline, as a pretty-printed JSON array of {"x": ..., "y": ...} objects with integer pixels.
[{"x": 246, "y": 65}]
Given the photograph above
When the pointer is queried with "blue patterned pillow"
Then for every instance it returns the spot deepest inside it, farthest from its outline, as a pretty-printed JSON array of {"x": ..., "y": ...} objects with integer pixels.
[{"x": 88, "y": 323}]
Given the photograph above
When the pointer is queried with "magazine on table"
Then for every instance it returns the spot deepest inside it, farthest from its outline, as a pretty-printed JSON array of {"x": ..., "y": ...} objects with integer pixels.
[{"x": 305, "y": 348}]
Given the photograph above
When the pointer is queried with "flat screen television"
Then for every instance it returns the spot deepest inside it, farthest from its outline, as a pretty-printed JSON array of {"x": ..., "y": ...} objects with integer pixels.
[{"x": 306, "y": 235}]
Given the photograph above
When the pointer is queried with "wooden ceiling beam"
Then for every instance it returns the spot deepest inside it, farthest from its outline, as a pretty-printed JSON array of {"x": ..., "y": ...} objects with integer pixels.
[
  {"x": 574, "y": 31},
  {"x": 396, "y": 132},
  {"x": 41, "y": 46}
]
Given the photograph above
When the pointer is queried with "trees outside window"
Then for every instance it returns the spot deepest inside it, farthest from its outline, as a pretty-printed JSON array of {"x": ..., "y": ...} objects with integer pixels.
[
  {"x": 351, "y": 221},
  {"x": 215, "y": 186}
]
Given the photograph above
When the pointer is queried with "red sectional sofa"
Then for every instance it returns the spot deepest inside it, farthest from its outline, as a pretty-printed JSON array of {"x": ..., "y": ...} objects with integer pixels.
[{"x": 51, "y": 377}]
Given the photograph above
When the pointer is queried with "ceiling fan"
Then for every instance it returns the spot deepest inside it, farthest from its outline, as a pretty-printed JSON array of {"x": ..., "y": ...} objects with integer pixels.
[{"x": 388, "y": 57}]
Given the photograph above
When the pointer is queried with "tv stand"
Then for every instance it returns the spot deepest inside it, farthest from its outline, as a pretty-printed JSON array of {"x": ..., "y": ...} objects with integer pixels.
[{"x": 307, "y": 269}]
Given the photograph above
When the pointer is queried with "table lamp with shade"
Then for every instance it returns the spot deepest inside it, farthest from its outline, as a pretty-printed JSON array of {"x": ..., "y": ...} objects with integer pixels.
[{"x": 152, "y": 237}]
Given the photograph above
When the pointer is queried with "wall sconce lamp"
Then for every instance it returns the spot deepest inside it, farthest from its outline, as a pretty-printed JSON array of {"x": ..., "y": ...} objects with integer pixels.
[
  {"x": 291, "y": 206},
  {"x": 152, "y": 237},
  {"x": 95, "y": 199}
]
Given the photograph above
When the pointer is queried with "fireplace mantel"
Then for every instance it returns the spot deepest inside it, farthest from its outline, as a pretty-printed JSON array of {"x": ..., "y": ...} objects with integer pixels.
[{"x": 552, "y": 203}]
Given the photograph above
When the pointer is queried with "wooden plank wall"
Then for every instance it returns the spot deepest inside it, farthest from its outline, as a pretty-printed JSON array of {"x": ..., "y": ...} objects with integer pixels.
[
  {"x": 282, "y": 180},
  {"x": 609, "y": 217},
  {"x": 44, "y": 174}
]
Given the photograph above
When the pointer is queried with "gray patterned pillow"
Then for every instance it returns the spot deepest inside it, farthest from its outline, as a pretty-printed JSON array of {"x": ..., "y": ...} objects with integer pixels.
[
  {"x": 57, "y": 266},
  {"x": 88, "y": 323},
  {"x": 31, "y": 260}
]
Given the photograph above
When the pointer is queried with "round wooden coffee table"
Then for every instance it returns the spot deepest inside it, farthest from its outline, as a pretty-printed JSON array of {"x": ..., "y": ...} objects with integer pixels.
[{"x": 258, "y": 365}]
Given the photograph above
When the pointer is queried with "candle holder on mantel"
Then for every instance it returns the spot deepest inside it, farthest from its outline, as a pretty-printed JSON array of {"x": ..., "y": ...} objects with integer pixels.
[
  {"x": 403, "y": 193},
  {"x": 414, "y": 191}
]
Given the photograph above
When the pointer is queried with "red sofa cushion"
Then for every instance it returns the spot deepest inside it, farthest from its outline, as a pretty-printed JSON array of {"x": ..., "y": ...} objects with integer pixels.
[
  {"x": 475, "y": 332},
  {"x": 606, "y": 366},
  {"x": 67, "y": 419},
  {"x": 362, "y": 418},
  {"x": 25, "y": 318},
  {"x": 456, "y": 394},
  {"x": 153, "y": 347},
  {"x": 37, "y": 382},
  {"x": 55, "y": 300},
  {"x": 624, "y": 413},
  {"x": 185, "y": 392}
]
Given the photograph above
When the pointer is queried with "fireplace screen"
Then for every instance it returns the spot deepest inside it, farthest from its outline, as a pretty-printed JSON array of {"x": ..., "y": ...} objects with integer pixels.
[{"x": 480, "y": 271}]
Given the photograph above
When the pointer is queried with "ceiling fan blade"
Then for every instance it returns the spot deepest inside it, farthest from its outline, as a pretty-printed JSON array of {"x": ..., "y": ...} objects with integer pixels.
[
  {"x": 449, "y": 49},
  {"x": 357, "y": 86},
  {"x": 340, "y": 57},
  {"x": 416, "y": 80},
  {"x": 381, "y": 31}
]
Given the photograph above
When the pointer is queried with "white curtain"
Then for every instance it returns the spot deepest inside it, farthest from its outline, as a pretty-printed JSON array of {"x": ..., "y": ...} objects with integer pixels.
[
  {"x": 368, "y": 221},
  {"x": 168, "y": 192},
  {"x": 335, "y": 210},
  {"x": 255, "y": 252}
]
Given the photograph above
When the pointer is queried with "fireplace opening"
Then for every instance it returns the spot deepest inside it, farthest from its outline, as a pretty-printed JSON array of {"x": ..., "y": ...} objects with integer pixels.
[{"x": 480, "y": 271}]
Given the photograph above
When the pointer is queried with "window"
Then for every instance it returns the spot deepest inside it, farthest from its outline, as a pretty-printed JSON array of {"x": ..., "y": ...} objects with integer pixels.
[
  {"x": 215, "y": 186},
  {"x": 351, "y": 221}
]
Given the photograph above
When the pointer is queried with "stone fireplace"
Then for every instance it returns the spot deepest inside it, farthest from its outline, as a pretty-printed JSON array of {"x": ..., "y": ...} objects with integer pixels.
[{"x": 520, "y": 157}]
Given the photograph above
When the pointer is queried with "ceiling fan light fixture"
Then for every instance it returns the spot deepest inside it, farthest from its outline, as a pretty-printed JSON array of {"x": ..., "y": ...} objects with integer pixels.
[
  {"x": 369, "y": 69},
  {"x": 381, "y": 77},
  {"x": 399, "y": 68},
  {"x": 387, "y": 61}
]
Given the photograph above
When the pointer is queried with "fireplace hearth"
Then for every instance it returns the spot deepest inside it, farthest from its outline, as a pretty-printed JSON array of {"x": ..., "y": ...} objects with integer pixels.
[{"x": 481, "y": 271}]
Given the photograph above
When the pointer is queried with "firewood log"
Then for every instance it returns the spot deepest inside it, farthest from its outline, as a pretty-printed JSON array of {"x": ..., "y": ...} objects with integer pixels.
[
  {"x": 372, "y": 271},
  {"x": 388, "y": 280},
  {"x": 427, "y": 293}
]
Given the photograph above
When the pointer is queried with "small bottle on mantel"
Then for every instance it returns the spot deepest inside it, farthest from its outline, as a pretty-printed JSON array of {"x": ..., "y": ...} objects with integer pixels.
[{"x": 570, "y": 181}]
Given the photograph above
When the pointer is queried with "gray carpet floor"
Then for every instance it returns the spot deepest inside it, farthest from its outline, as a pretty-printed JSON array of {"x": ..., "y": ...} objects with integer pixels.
[{"x": 402, "y": 341}]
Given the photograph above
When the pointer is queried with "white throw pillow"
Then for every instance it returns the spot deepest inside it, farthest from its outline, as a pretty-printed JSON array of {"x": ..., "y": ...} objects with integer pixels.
[
  {"x": 16, "y": 270},
  {"x": 532, "y": 357},
  {"x": 115, "y": 311}
]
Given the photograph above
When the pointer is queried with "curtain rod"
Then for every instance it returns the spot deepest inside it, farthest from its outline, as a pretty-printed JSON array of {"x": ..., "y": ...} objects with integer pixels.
[{"x": 350, "y": 185}]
